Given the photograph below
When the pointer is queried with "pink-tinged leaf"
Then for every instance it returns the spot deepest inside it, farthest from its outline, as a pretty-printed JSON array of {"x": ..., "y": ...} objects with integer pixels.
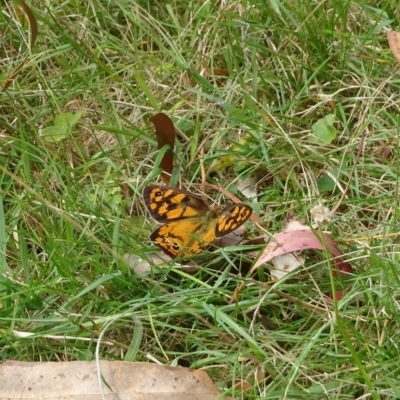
[{"x": 303, "y": 239}]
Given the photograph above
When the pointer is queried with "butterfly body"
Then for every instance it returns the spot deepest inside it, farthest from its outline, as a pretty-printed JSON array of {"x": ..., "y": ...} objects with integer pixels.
[{"x": 189, "y": 224}]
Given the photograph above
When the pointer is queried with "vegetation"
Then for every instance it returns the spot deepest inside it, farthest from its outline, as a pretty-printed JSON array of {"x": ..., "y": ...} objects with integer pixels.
[{"x": 300, "y": 82}]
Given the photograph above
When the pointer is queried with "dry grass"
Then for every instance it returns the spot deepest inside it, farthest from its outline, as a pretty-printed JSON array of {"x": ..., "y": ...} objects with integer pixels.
[{"x": 63, "y": 226}]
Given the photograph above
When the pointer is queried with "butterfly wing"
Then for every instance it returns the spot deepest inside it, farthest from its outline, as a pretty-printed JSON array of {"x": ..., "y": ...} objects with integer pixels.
[
  {"x": 189, "y": 224},
  {"x": 167, "y": 204},
  {"x": 231, "y": 218},
  {"x": 184, "y": 237}
]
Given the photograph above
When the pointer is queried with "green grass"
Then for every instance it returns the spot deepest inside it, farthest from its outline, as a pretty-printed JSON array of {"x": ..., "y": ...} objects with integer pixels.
[{"x": 64, "y": 229}]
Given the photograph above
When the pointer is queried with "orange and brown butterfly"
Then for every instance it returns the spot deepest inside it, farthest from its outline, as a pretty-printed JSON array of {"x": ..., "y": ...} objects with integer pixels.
[{"x": 189, "y": 224}]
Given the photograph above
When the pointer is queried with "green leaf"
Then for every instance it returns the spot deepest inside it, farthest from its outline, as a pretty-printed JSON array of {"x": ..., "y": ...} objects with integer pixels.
[
  {"x": 324, "y": 129},
  {"x": 73, "y": 118},
  {"x": 53, "y": 134},
  {"x": 326, "y": 184},
  {"x": 184, "y": 125},
  {"x": 63, "y": 125}
]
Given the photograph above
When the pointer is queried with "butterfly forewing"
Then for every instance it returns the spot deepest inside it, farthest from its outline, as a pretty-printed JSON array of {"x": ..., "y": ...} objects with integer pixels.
[
  {"x": 231, "y": 218},
  {"x": 169, "y": 204}
]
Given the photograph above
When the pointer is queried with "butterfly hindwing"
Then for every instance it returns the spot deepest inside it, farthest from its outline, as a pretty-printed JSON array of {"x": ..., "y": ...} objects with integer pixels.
[
  {"x": 231, "y": 218},
  {"x": 184, "y": 237}
]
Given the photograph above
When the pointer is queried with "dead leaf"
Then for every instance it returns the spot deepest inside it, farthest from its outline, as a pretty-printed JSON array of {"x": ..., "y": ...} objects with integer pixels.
[
  {"x": 142, "y": 266},
  {"x": 221, "y": 71},
  {"x": 165, "y": 133},
  {"x": 248, "y": 188},
  {"x": 296, "y": 238},
  {"x": 394, "y": 43},
  {"x": 293, "y": 241},
  {"x": 385, "y": 151},
  {"x": 78, "y": 380},
  {"x": 241, "y": 385},
  {"x": 285, "y": 264}
]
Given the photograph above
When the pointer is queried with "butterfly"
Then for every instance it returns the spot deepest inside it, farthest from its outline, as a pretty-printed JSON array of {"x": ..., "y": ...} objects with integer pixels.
[{"x": 189, "y": 224}]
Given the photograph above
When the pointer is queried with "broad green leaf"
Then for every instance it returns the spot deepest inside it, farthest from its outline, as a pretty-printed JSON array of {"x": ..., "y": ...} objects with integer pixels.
[
  {"x": 325, "y": 184},
  {"x": 324, "y": 129},
  {"x": 63, "y": 125},
  {"x": 53, "y": 133}
]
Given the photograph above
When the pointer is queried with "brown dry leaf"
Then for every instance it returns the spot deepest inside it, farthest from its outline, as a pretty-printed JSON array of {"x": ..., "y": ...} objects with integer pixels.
[
  {"x": 385, "y": 152},
  {"x": 221, "y": 71},
  {"x": 165, "y": 133},
  {"x": 78, "y": 380},
  {"x": 394, "y": 43},
  {"x": 242, "y": 385}
]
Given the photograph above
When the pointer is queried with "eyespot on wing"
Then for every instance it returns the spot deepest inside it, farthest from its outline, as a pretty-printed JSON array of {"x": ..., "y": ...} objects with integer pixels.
[{"x": 166, "y": 203}]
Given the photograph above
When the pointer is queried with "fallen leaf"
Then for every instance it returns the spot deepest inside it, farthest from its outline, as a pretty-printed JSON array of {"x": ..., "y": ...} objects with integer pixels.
[
  {"x": 394, "y": 43},
  {"x": 165, "y": 133},
  {"x": 300, "y": 238},
  {"x": 285, "y": 264},
  {"x": 293, "y": 241},
  {"x": 221, "y": 71},
  {"x": 143, "y": 266},
  {"x": 80, "y": 380},
  {"x": 248, "y": 188},
  {"x": 241, "y": 385}
]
